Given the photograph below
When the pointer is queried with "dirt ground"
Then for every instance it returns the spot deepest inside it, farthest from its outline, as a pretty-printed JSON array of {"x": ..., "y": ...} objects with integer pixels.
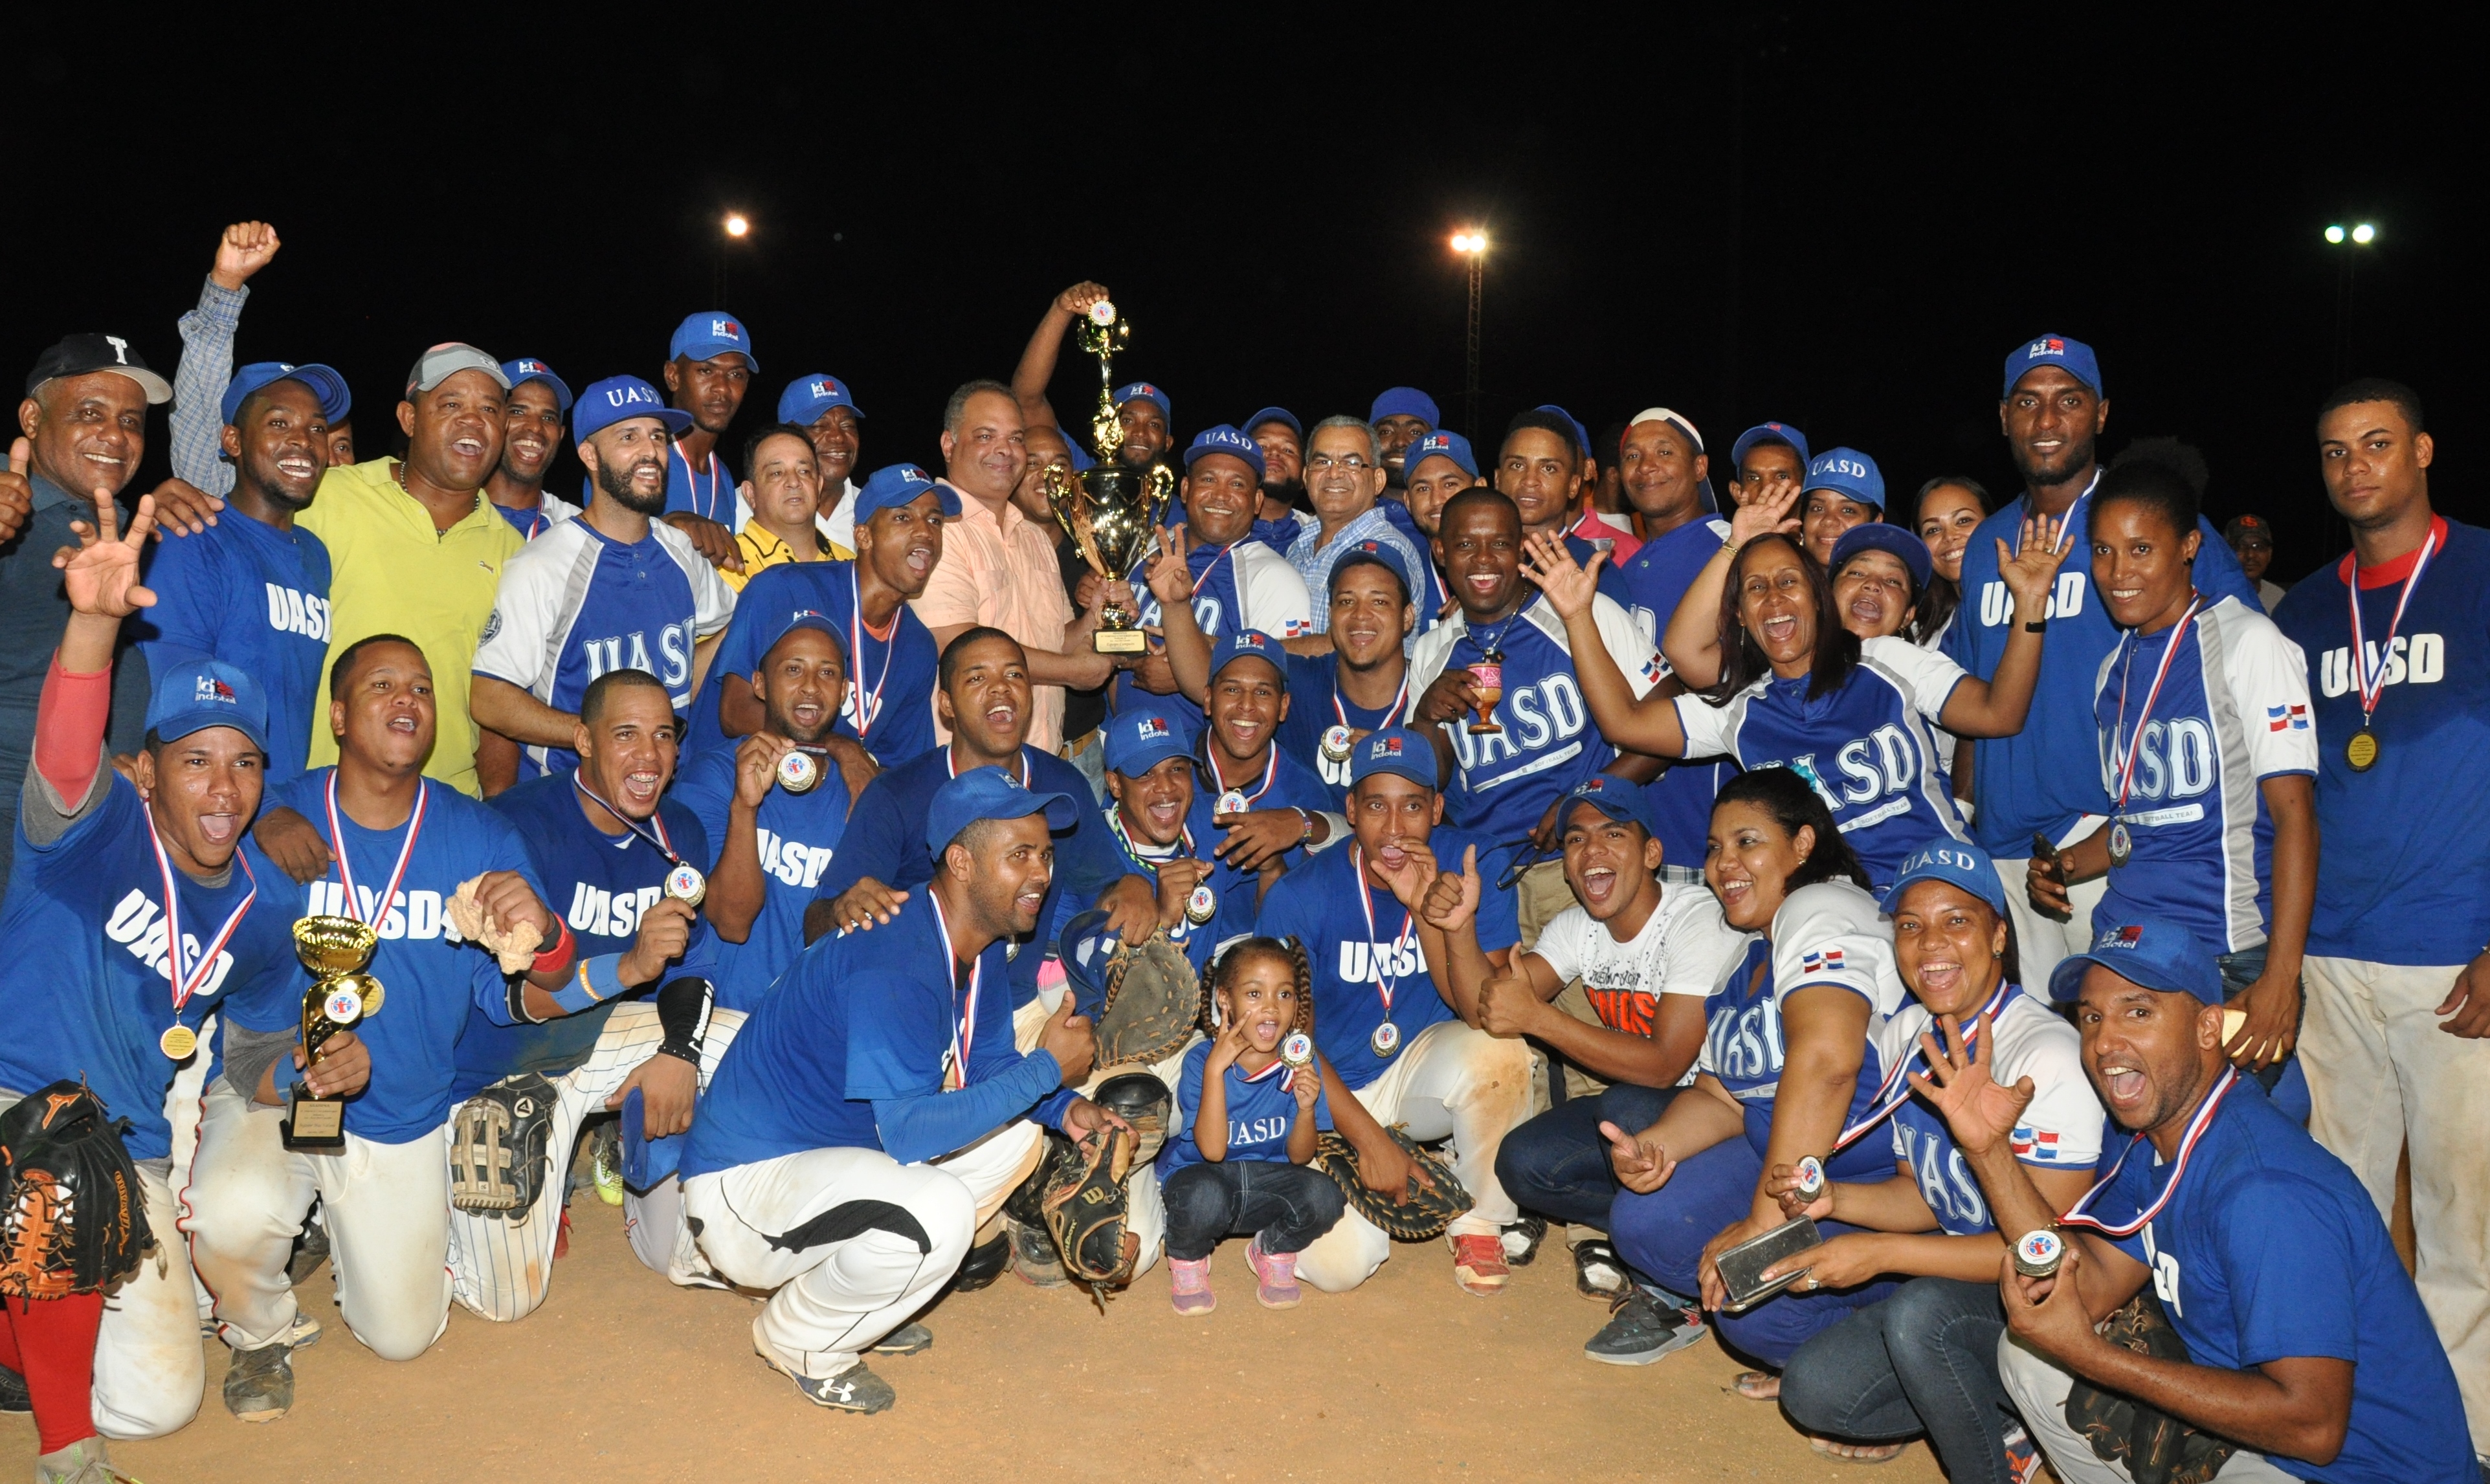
[{"x": 624, "y": 1376}]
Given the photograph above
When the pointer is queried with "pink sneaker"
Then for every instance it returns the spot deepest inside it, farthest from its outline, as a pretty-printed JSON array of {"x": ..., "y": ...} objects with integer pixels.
[
  {"x": 1275, "y": 1276},
  {"x": 1192, "y": 1293}
]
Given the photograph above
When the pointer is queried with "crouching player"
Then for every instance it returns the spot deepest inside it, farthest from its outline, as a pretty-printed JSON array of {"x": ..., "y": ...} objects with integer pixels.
[{"x": 854, "y": 1209}]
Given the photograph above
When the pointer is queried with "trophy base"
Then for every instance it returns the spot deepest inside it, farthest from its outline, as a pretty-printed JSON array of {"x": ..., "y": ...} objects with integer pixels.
[
  {"x": 1121, "y": 641},
  {"x": 1485, "y": 729},
  {"x": 312, "y": 1123}
]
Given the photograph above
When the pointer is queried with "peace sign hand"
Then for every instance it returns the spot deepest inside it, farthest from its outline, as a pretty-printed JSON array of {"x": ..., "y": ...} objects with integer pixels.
[{"x": 100, "y": 573}]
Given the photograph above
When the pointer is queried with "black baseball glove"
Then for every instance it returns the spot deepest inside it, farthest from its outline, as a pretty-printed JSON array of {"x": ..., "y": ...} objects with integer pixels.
[
  {"x": 1423, "y": 1215},
  {"x": 75, "y": 1220},
  {"x": 1088, "y": 1211},
  {"x": 2157, "y": 1447}
]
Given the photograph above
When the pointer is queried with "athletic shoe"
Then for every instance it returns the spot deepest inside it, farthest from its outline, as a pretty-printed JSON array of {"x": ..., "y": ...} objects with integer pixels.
[
  {"x": 1598, "y": 1271},
  {"x": 854, "y": 1389},
  {"x": 1522, "y": 1240},
  {"x": 1275, "y": 1276},
  {"x": 2022, "y": 1456},
  {"x": 1034, "y": 1259},
  {"x": 1190, "y": 1284},
  {"x": 14, "y": 1395},
  {"x": 81, "y": 1462},
  {"x": 310, "y": 1250},
  {"x": 605, "y": 1161},
  {"x": 1641, "y": 1329},
  {"x": 1478, "y": 1265},
  {"x": 984, "y": 1263},
  {"x": 259, "y": 1386},
  {"x": 908, "y": 1339},
  {"x": 305, "y": 1332}
]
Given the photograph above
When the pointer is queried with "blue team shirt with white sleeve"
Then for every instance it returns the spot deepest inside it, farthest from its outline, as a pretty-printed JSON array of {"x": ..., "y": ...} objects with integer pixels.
[
  {"x": 2407, "y": 844},
  {"x": 2060, "y": 1130},
  {"x": 2232, "y": 713},
  {"x": 894, "y": 675},
  {"x": 2040, "y": 779},
  {"x": 2270, "y": 1249},
  {"x": 1317, "y": 904},
  {"x": 257, "y": 599},
  {"x": 1316, "y": 706},
  {"x": 1235, "y": 588},
  {"x": 1262, "y": 1113},
  {"x": 797, "y": 837},
  {"x": 575, "y": 604},
  {"x": 1654, "y": 583},
  {"x": 1865, "y": 745}
]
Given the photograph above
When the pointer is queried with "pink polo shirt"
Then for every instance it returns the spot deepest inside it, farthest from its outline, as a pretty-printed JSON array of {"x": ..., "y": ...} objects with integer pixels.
[{"x": 1001, "y": 573}]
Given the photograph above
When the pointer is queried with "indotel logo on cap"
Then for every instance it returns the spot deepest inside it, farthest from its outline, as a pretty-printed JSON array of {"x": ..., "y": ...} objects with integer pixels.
[
  {"x": 1153, "y": 727},
  {"x": 2044, "y": 348},
  {"x": 1248, "y": 639},
  {"x": 2121, "y": 938},
  {"x": 212, "y": 690},
  {"x": 1383, "y": 747},
  {"x": 726, "y": 329},
  {"x": 524, "y": 368},
  {"x": 825, "y": 388}
]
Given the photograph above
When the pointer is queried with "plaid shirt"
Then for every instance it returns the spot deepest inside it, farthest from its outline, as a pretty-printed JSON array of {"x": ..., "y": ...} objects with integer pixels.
[
  {"x": 199, "y": 385},
  {"x": 1313, "y": 556}
]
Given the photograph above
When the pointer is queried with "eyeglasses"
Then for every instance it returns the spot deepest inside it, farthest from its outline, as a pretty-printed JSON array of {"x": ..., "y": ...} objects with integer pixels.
[{"x": 1354, "y": 464}]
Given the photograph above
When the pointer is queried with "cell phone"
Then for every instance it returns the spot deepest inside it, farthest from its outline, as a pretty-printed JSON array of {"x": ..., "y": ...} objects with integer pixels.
[
  {"x": 1743, "y": 1266},
  {"x": 2045, "y": 849}
]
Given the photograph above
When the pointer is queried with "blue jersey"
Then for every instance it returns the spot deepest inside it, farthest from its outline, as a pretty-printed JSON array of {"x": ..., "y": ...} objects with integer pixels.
[
  {"x": 1316, "y": 706},
  {"x": 1654, "y": 582},
  {"x": 2407, "y": 844},
  {"x": 2061, "y": 1129},
  {"x": 1238, "y": 586},
  {"x": 1431, "y": 596},
  {"x": 1504, "y": 783},
  {"x": 1262, "y": 1113},
  {"x": 704, "y": 489},
  {"x": 2232, "y": 713},
  {"x": 1356, "y": 952},
  {"x": 2270, "y": 1248},
  {"x": 1831, "y": 934},
  {"x": 895, "y": 675},
  {"x": 575, "y": 604},
  {"x": 257, "y": 599},
  {"x": 550, "y": 510},
  {"x": 1865, "y": 745},
  {"x": 600, "y": 884},
  {"x": 437, "y": 983},
  {"x": 797, "y": 835},
  {"x": 1282, "y": 783},
  {"x": 885, "y": 840},
  {"x": 2040, "y": 779},
  {"x": 91, "y": 986}
]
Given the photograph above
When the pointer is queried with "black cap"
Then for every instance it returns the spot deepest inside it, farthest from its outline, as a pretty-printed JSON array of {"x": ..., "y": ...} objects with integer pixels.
[{"x": 79, "y": 353}]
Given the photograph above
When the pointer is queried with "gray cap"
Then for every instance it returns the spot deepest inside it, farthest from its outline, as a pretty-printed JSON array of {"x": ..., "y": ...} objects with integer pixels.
[{"x": 445, "y": 360}]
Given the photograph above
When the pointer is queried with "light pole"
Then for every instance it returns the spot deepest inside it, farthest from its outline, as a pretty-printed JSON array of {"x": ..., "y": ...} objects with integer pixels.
[
  {"x": 1472, "y": 245},
  {"x": 737, "y": 226},
  {"x": 2349, "y": 239}
]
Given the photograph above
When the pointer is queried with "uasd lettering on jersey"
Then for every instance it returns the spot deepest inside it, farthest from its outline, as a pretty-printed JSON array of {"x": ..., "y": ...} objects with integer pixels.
[
  {"x": 1877, "y": 766},
  {"x": 1207, "y": 611},
  {"x": 2165, "y": 1275},
  {"x": 630, "y": 652},
  {"x": 2418, "y": 660},
  {"x": 1534, "y": 717},
  {"x": 1997, "y": 603},
  {"x": 605, "y": 914},
  {"x": 793, "y": 861},
  {"x": 290, "y": 612},
  {"x": 1242, "y": 1132},
  {"x": 1743, "y": 1044},
  {"x": 2174, "y": 761},
  {"x": 1370, "y": 963},
  {"x": 137, "y": 925},
  {"x": 1946, "y": 1181},
  {"x": 413, "y": 914}
]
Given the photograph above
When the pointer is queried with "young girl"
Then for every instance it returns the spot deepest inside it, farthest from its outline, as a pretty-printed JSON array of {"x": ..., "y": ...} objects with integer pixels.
[{"x": 1245, "y": 1125}]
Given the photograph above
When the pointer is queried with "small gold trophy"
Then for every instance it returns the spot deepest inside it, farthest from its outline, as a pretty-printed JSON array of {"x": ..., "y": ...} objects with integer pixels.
[
  {"x": 1487, "y": 677},
  {"x": 1113, "y": 510},
  {"x": 335, "y": 950}
]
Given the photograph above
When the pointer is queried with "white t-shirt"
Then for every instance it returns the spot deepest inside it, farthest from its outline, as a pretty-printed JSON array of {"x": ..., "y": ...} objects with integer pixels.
[
  {"x": 2061, "y": 1129},
  {"x": 1684, "y": 948}
]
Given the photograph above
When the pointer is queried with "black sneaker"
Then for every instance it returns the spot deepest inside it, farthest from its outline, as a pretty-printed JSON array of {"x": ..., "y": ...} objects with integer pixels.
[
  {"x": 259, "y": 1386},
  {"x": 1036, "y": 1259},
  {"x": 984, "y": 1263},
  {"x": 1598, "y": 1271},
  {"x": 310, "y": 1250},
  {"x": 907, "y": 1339},
  {"x": 854, "y": 1389},
  {"x": 1641, "y": 1329},
  {"x": 1522, "y": 1241},
  {"x": 14, "y": 1395}
]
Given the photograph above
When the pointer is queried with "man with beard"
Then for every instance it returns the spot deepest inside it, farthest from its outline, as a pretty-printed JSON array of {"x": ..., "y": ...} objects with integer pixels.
[
  {"x": 1343, "y": 481},
  {"x": 1362, "y": 683},
  {"x": 531, "y": 436},
  {"x": 1281, "y": 516},
  {"x": 709, "y": 369},
  {"x": 613, "y": 589},
  {"x": 1257, "y": 810},
  {"x": 1439, "y": 466},
  {"x": 824, "y": 407},
  {"x": 1402, "y": 416},
  {"x": 253, "y": 590},
  {"x": 2045, "y": 780},
  {"x": 1238, "y": 583}
]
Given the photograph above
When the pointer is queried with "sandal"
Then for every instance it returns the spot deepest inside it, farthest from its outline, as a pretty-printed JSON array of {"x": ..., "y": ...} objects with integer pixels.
[
  {"x": 1757, "y": 1385},
  {"x": 1856, "y": 1452}
]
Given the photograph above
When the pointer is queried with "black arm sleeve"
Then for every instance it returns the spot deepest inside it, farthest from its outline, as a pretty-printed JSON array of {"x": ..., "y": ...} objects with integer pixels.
[
  {"x": 249, "y": 1054},
  {"x": 682, "y": 1014}
]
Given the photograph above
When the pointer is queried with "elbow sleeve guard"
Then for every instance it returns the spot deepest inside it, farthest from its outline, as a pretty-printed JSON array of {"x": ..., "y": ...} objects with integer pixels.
[{"x": 683, "y": 1009}]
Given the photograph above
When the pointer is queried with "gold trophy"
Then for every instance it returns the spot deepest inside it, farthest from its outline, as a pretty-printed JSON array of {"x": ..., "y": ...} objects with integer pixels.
[
  {"x": 1113, "y": 510},
  {"x": 335, "y": 950}
]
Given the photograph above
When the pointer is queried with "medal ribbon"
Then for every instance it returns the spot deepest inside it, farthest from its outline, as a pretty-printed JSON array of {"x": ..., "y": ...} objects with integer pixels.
[
  {"x": 1209, "y": 566},
  {"x": 1270, "y": 773},
  {"x": 1366, "y": 903},
  {"x": 2065, "y": 523},
  {"x": 345, "y": 868},
  {"x": 691, "y": 480},
  {"x": 658, "y": 837},
  {"x": 951, "y": 764},
  {"x": 2197, "y": 1126},
  {"x": 1340, "y": 708},
  {"x": 2134, "y": 742},
  {"x": 1888, "y": 1099},
  {"x": 1133, "y": 852},
  {"x": 1287, "y": 1078},
  {"x": 187, "y": 981},
  {"x": 2372, "y": 685},
  {"x": 868, "y": 707},
  {"x": 964, "y": 1033}
]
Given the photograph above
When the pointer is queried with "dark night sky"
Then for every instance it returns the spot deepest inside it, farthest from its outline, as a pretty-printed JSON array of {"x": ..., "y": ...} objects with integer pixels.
[{"x": 1843, "y": 221}]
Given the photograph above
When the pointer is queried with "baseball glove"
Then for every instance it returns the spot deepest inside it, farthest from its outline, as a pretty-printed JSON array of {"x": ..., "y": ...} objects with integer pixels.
[
  {"x": 72, "y": 1217},
  {"x": 1087, "y": 1213},
  {"x": 2156, "y": 1447},
  {"x": 1153, "y": 1002},
  {"x": 498, "y": 1145},
  {"x": 1423, "y": 1215}
]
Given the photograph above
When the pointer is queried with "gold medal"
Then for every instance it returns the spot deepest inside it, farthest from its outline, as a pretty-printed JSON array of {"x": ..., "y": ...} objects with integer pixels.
[
  {"x": 685, "y": 883},
  {"x": 2361, "y": 751},
  {"x": 177, "y": 1042},
  {"x": 1296, "y": 1049},
  {"x": 797, "y": 773},
  {"x": 371, "y": 992},
  {"x": 1336, "y": 743},
  {"x": 1201, "y": 906}
]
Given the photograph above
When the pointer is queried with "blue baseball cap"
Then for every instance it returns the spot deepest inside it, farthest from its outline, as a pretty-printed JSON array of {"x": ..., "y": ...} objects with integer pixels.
[
  {"x": 813, "y": 619},
  {"x": 1964, "y": 864},
  {"x": 807, "y": 397},
  {"x": 1141, "y": 740},
  {"x": 2053, "y": 350},
  {"x": 1250, "y": 644},
  {"x": 1220, "y": 438},
  {"x": 1851, "y": 473},
  {"x": 893, "y": 485},
  {"x": 1405, "y": 403},
  {"x": 1394, "y": 750},
  {"x": 709, "y": 335},
  {"x": 202, "y": 693},
  {"x": 1878, "y": 536},
  {"x": 1275, "y": 414},
  {"x": 1581, "y": 434},
  {"x": 530, "y": 368},
  {"x": 989, "y": 792},
  {"x": 1440, "y": 445},
  {"x": 1767, "y": 432},
  {"x": 2158, "y": 956},
  {"x": 1676, "y": 420},
  {"x": 620, "y": 399},
  {"x": 1382, "y": 554},
  {"x": 1141, "y": 389},
  {"x": 1619, "y": 799},
  {"x": 327, "y": 387}
]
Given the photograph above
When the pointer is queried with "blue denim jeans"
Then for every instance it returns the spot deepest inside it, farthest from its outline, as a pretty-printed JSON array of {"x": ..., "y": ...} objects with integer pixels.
[
  {"x": 1557, "y": 1163},
  {"x": 1923, "y": 1361},
  {"x": 1286, "y": 1205}
]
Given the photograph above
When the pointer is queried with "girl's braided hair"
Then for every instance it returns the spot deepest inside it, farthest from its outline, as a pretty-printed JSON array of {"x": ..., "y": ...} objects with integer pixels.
[{"x": 1289, "y": 951}]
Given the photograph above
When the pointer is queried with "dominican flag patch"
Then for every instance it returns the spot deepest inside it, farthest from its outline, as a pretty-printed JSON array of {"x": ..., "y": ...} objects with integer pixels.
[
  {"x": 1655, "y": 669},
  {"x": 2294, "y": 719},
  {"x": 2035, "y": 1144},
  {"x": 1813, "y": 963}
]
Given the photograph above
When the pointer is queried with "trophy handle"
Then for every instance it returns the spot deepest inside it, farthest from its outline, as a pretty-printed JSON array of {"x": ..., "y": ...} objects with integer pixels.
[
  {"x": 1162, "y": 490},
  {"x": 1088, "y": 541}
]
